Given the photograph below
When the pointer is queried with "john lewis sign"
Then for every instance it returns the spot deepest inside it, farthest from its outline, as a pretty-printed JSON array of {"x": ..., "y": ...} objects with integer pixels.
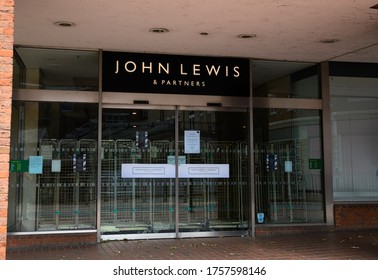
[{"x": 152, "y": 73}]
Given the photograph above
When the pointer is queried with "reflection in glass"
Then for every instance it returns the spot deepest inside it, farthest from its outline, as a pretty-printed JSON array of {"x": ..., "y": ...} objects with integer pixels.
[
  {"x": 354, "y": 103},
  {"x": 53, "y": 161},
  {"x": 215, "y": 204},
  {"x": 147, "y": 205},
  {"x": 288, "y": 166},
  {"x": 55, "y": 69},
  {"x": 279, "y": 79},
  {"x": 136, "y": 205}
]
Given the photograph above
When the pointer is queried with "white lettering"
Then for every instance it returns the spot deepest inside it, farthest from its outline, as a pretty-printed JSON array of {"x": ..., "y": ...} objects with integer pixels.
[
  {"x": 146, "y": 67},
  {"x": 165, "y": 69},
  {"x": 187, "y": 83},
  {"x": 196, "y": 70},
  {"x": 127, "y": 66},
  {"x": 212, "y": 69},
  {"x": 182, "y": 70},
  {"x": 117, "y": 67},
  {"x": 236, "y": 71}
]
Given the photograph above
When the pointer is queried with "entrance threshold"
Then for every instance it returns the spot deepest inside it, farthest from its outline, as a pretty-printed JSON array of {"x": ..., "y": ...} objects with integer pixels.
[{"x": 171, "y": 235}]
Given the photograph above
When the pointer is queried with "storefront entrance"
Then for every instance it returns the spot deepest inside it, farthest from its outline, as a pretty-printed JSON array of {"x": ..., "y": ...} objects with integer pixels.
[
  {"x": 173, "y": 173},
  {"x": 164, "y": 147}
]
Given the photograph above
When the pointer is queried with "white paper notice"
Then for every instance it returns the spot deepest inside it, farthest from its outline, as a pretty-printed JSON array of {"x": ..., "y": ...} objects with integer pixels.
[
  {"x": 204, "y": 171},
  {"x": 35, "y": 164},
  {"x": 56, "y": 165},
  {"x": 288, "y": 166},
  {"x": 130, "y": 170},
  {"x": 147, "y": 171},
  {"x": 192, "y": 141}
]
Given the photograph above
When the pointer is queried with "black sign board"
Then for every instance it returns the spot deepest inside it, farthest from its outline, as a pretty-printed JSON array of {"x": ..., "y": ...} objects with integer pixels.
[{"x": 154, "y": 73}]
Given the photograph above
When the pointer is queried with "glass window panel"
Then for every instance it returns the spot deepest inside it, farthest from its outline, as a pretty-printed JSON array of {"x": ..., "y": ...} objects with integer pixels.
[
  {"x": 53, "y": 162},
  {"x": 285, "y": 79},
  {"x": 288, "y": 166},
  {"x": 56, "y": 69},
  {"x": 354, "y": 103},
  {"x": 214, "y": 201},
  {"x": 133, "y": 204}
]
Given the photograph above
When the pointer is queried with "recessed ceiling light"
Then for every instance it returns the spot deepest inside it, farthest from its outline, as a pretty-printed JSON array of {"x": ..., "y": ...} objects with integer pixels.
[
  {"x": 329, "y": 41},
  {"x": 246, "y": 36},
  {"x": 64, "y": 23},
  {"x": 159, "y": 30}
]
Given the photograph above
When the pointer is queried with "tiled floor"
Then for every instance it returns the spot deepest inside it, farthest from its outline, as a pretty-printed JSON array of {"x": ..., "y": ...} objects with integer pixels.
[{"x": 340, "y": 245}]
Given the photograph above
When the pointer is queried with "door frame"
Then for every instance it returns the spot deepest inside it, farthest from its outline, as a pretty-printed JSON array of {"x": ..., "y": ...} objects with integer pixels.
[{"x": 177, "y": 233}]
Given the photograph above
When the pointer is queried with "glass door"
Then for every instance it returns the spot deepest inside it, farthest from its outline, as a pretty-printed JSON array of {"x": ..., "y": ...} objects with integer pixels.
[
  {"x": 213, "y": 189},
  {"x": 137, "y": 190},
  {"x": 151, "y": 184}
]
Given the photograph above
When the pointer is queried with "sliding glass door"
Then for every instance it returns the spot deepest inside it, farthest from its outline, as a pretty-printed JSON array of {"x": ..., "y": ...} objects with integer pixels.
[
  {"x": 213, "y": 184},
  {"x": 135, "y": 196},
  {"x": 173, "y": 172}
]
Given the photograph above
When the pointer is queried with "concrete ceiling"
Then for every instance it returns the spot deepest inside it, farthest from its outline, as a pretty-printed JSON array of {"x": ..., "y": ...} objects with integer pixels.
[{"x": 290, "y": 30}]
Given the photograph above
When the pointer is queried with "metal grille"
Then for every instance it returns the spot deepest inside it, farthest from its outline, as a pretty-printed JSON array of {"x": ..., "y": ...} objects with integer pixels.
[
  {"x": 281, "y": 191},
  {"x": 163, "y": 190},
  {"x": 148, "y": 205},
  {"x": 67, "y": 186},
  {"x": 215, "y": 204},
  {"x": 192, "y": 195},
  {"x": 227, "y": 192},
  {"x": 48, "y": 188},
  {"x": 108, "y": 181},
  {"x": 135, "y": 205}
]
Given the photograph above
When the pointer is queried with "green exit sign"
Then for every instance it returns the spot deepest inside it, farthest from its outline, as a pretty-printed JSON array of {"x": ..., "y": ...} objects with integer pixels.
[
  {"x": 315, "y": 163},
  {"x": 19, "y": 165}
]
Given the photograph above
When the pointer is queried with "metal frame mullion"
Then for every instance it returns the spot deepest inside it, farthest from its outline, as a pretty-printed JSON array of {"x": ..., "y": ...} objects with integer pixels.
[{"x": 99, "y": 149}]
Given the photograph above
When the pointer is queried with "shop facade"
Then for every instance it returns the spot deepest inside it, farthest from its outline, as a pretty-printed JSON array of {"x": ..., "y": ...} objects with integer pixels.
[{"x": 119, "y": 145}]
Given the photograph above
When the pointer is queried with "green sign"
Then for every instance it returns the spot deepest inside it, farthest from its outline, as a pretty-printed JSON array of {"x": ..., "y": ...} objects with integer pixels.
[
  {"x": 19, "y": 165},
  {"x": 315, "y": 163},
  {"x": 172, "y": 159}
]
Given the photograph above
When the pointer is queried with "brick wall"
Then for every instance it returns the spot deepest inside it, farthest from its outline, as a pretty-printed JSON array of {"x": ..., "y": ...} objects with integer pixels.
[
  {"x": 347, "y": 216},
  {"x": 356, "y": 216},
  {"x": 6, "y": 69},
  {"x": 273, "y": 230},
  {"x": 37, "y": 240}
]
